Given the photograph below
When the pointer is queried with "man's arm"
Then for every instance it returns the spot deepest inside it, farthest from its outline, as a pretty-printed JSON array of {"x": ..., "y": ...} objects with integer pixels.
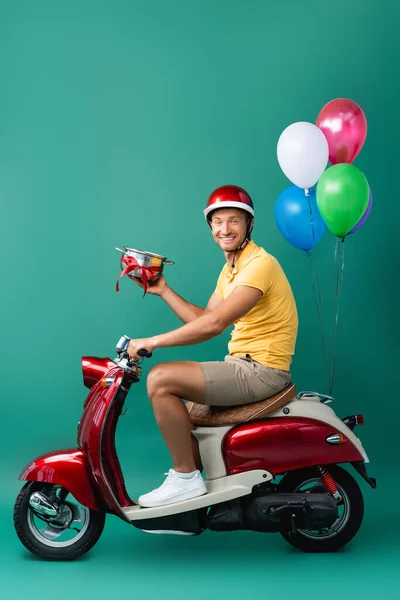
[
  {"x": 186, "y": 311},
  {"x": 182, "y": 308},
  {"x": 211, "y": 322}
]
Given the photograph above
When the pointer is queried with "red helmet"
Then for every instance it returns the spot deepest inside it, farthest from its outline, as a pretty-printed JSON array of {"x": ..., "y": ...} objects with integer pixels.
[{"x": 229, "y": 196}]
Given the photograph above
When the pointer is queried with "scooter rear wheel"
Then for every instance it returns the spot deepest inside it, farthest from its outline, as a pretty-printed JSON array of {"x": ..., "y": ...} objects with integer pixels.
[
  {"x": 62, "y": 539},
  {"x": 350, "y": 509}
]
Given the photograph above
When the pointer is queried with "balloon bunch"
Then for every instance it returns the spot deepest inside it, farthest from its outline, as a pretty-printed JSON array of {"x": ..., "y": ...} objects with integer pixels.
[{"x": 342, "y": 199}]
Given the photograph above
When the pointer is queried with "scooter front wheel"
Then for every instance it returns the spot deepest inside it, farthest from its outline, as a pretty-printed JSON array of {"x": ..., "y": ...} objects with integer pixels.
[
  {"x": 69, "y": 534},
  {"x": 350, "y": 509}
]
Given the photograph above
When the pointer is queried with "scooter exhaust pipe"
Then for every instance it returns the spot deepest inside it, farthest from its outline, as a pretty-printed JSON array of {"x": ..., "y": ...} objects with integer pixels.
[{"x": 41, "y": 505}]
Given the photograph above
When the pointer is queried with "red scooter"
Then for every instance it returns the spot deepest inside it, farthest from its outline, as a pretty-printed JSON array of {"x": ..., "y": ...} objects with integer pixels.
[{"x": 270, "y": 466}]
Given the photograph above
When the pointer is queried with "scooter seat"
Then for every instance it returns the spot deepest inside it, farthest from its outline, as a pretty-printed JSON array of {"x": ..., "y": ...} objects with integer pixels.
[{"x": 203, "y": 415}]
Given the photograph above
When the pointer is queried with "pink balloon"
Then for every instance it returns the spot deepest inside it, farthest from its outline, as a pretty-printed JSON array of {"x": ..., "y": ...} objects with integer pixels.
[{"x": 345, "y": 127}]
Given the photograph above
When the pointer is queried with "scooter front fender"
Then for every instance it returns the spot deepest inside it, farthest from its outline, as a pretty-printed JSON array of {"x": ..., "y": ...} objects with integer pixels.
[{"x": 66, "y": 468}]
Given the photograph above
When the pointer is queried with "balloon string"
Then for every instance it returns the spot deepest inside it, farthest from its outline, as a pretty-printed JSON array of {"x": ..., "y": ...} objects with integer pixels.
[
  {"x": 311, "y": 217},
  {"x": 318, "y": 303},
  {"x": 334, "y": 315},
  {"x": 322, "y": 319},
  {"x": 339, "y": 268}
]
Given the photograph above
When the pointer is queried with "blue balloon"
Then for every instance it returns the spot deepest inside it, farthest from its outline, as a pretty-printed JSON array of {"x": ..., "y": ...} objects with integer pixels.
[{"x": 298, "y": 218}]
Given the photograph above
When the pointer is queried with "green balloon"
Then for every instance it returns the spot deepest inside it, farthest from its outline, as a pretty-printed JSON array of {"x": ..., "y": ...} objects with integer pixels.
[{"x": 342, "y": 197}]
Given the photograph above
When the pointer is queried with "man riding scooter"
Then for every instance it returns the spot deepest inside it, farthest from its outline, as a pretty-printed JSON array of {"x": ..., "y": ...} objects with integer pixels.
[{"x": 254, "y": 295}]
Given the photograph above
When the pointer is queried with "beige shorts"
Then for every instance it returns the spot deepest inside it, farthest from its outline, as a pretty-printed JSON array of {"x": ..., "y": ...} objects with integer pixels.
[{"x": 241, "y": 380}]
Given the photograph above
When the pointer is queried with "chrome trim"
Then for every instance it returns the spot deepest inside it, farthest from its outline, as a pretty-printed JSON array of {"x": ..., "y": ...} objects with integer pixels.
[
  {"x": 122, "y": 344},
  {"x": 337, "y": 497},
  {"x": 323, "y": 397},
  {"x": 123, "y": 364},
  {"x": 41, "y": 504},
  {"x": 334, "y": 439}
]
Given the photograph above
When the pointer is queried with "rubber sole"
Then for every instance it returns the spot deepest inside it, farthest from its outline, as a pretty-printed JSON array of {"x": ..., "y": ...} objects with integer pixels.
[{"x": 184, "y": 496}]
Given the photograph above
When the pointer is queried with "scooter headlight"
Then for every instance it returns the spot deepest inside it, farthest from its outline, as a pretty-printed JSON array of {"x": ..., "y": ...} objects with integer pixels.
[{"x": 94, "y": 369}]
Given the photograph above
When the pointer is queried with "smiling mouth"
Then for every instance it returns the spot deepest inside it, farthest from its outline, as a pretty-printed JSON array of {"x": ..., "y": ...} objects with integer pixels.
[{"x": 228, "y": 239}]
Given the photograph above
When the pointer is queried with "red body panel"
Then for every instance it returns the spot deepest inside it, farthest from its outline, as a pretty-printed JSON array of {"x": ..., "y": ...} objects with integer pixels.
[
  {"x": 94, "y": 368},
  {"x": 283, "y": 444},
  {"x": 96, "y": 437},
  {"x": 66, "y": 468}
]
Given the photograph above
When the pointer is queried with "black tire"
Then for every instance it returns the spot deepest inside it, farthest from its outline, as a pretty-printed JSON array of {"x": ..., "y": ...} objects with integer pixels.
[
  {"x": 347, "y": 525},
  {"x": 23, "y": 523}
]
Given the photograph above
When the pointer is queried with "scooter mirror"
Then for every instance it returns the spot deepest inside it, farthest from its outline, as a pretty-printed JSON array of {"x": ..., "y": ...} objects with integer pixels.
[{"x": 123, "y": 344}]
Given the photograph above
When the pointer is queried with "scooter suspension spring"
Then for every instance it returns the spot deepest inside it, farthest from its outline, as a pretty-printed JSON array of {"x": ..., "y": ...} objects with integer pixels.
[{"x": 329, "y": 483}]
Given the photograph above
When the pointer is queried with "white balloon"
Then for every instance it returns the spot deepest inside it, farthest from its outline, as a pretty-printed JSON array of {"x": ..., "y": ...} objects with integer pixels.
[{"x": 303, "y": 153}]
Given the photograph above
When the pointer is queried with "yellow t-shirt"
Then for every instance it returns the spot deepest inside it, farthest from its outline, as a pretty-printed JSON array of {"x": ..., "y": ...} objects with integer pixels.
[{"x": 268, "y": 331}]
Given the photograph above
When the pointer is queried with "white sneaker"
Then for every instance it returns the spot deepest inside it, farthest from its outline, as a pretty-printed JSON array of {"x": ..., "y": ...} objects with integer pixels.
[{"x": 174, "y": 489}]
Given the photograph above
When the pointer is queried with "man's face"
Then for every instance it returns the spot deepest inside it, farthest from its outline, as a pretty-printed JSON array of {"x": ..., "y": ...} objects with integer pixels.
[{"x": 228, "y": 226}]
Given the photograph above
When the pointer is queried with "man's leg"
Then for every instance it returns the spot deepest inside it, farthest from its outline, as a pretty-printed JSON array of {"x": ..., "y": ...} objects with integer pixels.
[{"x": 167, "y": 384}]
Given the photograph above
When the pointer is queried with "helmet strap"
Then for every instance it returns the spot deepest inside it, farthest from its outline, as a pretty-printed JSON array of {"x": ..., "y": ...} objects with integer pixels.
[{"x": 242, "y": 245}]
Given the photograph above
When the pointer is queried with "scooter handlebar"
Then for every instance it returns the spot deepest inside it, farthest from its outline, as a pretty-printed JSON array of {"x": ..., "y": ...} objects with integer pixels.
[
  {"x": 123, "y": 344},
  {"x": 144, "y": 353}
]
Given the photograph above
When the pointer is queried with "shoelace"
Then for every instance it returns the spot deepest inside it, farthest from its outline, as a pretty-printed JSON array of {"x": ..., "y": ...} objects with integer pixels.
[{"x": 170, "y": 476}]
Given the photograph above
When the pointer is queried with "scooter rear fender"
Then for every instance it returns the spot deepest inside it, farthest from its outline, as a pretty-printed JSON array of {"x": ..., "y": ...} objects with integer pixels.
[
  {"x": 65, "y": 468},
  {"x": 283, "y": 444}
]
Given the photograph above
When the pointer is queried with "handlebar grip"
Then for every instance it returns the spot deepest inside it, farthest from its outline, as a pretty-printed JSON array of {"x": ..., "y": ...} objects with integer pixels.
[{"x": 144, "y": 353}]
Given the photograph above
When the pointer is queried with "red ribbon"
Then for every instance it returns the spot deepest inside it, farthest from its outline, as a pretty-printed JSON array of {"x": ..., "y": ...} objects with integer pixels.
[{"x": 145, "y": 272}]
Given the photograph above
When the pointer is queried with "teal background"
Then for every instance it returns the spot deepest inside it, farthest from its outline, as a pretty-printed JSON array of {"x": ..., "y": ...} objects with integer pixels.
[{"x": 117, "y": 119}]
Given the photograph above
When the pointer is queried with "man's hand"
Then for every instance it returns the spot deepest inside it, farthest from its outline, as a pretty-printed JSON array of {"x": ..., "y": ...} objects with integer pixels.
[
  {"x": 157, "y": 287},
  {"x": 140, "y": 344}
]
